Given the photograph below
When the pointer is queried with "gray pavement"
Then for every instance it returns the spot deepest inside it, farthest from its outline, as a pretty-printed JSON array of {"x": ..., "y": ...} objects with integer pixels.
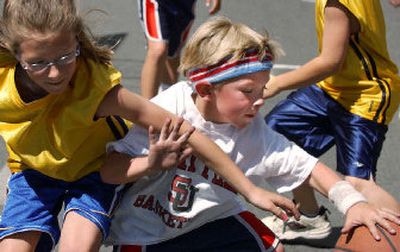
[{"x": 291, "y": 23}]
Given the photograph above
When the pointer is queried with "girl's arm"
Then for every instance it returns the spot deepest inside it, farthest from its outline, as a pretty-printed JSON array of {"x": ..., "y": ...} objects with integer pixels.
[
  {"x": 335, "y": 41},
  {"x": 122, "y": 102}
]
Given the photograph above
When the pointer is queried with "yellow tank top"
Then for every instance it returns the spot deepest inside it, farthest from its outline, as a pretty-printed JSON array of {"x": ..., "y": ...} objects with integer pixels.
[
  {"x": 58, "y": 135},
  {"x": 367, "y": 84}
]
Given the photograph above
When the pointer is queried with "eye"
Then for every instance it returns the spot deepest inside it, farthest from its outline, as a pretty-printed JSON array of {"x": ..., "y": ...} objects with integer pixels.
[
  {"x": 66, "y": 59},
  {"x": 247, "y": 91},
  {"x": 35, "y": 66}
]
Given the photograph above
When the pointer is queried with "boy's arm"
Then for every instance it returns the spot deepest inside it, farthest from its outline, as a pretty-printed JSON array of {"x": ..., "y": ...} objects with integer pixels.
[
  {"x": 122, "y": 102},
  {"x": 335, "y": 42},
  {"x": 350, "y": 202}
]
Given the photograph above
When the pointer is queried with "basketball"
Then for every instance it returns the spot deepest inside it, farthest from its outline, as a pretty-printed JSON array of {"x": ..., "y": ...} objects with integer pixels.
[{"x": 360, "y": 240}]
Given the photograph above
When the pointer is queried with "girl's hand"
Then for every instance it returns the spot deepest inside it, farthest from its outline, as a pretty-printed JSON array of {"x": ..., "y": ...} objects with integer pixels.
[
  {"x": 364, "y": 214},
  {"x": 277, "y": 204},
  {"x": 168, "y": 149}
]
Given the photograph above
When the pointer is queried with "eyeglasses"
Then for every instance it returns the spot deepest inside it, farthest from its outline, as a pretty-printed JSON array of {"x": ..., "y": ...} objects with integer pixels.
[{"x": 41, "y": 66}]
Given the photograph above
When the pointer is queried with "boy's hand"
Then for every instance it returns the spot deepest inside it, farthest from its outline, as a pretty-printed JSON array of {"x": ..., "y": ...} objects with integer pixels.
[
  {"x": 168, "y": 149},
  {"x": 364, "y": 214},
  {"x": 274, "y": 203}
]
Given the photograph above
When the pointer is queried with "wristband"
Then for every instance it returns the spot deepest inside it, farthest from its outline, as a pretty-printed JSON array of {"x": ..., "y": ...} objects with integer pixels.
[{"x": 344, "y": 196}]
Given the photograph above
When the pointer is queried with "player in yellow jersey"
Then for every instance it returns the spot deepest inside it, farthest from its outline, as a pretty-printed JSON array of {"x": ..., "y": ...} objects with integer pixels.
[
  {"x": 59, "y": 101},
  {"x": 355, "y": 96}
]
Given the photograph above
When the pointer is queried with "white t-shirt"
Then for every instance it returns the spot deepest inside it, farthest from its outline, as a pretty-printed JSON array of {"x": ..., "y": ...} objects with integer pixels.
[{"x": 174, "y": 202}]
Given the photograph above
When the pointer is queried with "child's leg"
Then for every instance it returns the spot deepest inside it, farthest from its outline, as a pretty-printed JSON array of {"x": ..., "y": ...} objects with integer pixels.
[
  {"x": 302, "y": 118},
  {"x": 166, "y": 25},
  {"x": 88, "y": 238},
  {"x": 88, "y": 208},
  {"x": 29, "y": 218},
  {"x": 172, "y": 65},
  {"x": 154, "y": 68},
  {"x": 358, "y": 145},
  {"x": 25, "y": 241}
]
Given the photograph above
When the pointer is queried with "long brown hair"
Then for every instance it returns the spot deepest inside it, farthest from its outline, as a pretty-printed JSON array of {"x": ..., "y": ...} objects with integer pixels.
[{"x": 21, "y": 18}]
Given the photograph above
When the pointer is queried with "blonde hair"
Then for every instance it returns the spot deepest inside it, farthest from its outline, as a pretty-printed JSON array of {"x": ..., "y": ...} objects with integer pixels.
[
  {"x": 219, "y": 38},
  {"x": 22, "y": 18}
]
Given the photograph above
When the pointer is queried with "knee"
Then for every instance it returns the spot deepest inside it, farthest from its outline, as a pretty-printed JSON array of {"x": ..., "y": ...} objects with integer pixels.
[{"x": 157, "y": 50}]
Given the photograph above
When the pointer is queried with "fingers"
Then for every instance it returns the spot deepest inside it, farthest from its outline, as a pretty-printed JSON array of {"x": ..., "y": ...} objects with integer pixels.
[
  {"x": 286, "y": 207},
  {"x": 152, "y": 135},
  {"x": 165, "y": 130},
  {"x": 391, "y": 215},
  {"x": 185, "y": 153},
  {"x": 373, "y": 230}
]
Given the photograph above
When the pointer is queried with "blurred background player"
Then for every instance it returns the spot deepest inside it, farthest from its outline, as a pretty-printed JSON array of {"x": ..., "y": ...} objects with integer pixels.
[
  {"x": 355, "y": 97},
  {"x": 166, "y": 24}
]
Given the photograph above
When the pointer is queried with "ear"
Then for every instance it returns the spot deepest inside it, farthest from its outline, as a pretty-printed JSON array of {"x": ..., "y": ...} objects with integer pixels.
[{"x": 203, "y": 88}]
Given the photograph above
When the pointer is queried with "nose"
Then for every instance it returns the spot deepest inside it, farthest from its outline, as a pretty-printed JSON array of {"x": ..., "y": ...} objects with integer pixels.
[
  {"x": 258, "y": 103},
  {"x": 54, "y": 71}
]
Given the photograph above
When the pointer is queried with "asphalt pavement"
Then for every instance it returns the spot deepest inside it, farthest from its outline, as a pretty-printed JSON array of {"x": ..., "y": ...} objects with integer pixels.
[{"x": 291, "y": 23}]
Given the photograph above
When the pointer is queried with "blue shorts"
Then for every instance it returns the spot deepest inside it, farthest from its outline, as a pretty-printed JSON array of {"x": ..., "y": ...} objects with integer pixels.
[
  {"x": 167, "y": 20},
  {"x": 314, "y": 121},
  {"x": 34, "y": 201},
  {"x": 242, "y": 232}
]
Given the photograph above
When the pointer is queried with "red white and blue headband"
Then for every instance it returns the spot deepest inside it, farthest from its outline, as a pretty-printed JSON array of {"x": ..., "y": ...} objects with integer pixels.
[{"x": 224, "y": 70}]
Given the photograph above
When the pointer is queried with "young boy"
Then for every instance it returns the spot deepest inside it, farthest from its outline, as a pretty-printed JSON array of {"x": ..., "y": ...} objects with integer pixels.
[
  {"x": 189, "y": 207},
  {"x": 355, "y": 97}
]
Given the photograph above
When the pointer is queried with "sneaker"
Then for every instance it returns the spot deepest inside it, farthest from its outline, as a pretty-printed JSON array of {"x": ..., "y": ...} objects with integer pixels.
[{"x": 317, "y": 227}]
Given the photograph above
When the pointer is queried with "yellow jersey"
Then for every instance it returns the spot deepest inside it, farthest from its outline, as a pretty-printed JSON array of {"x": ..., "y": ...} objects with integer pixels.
[
  {"x": 367, "y": 84},
  {"x": 58, "y": 134}
]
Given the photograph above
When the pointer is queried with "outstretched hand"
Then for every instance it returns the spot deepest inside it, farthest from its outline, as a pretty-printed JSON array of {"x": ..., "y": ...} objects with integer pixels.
[
  {"x": 279, "y": 205},
  {"x": 364, "y": 214},
  {"x": 168, "y": 149}
]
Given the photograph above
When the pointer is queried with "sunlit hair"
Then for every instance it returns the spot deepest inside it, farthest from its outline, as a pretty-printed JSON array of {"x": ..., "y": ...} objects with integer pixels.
[
  {"x": 219, "y": 38},
  {"x": 22, "y": 18}
]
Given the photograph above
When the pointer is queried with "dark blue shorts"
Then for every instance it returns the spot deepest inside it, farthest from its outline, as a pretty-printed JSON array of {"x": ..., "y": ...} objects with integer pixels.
[
  {"x": 240, "y": 233},
  {"x": 316, "y": 122},
  {"x": 167, "y": 20},
  {"x": 34, "y": 201}
]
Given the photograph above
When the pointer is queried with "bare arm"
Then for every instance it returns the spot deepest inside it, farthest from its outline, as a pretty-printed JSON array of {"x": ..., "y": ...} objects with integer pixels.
[
  {"x": 122, "y": 102},
  {"x": 323, "y": 179},
  {"x": 335, "y": 42}
]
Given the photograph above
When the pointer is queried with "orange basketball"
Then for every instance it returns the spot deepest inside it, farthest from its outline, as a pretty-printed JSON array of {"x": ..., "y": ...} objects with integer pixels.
[{"x": 360, "y": 240}]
